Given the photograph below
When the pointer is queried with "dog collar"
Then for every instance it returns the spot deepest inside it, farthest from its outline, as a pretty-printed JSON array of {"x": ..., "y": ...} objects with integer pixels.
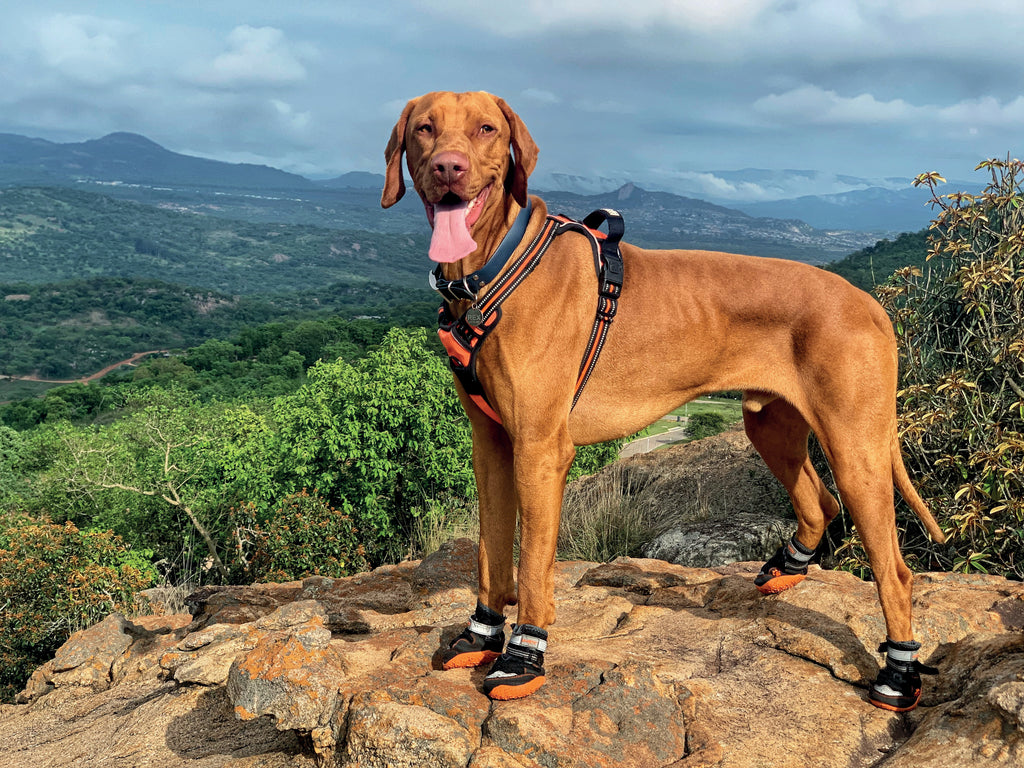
[{"x": 469, "y": 286}]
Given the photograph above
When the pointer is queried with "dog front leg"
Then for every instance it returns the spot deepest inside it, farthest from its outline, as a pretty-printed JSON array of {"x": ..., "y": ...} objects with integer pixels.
[
  {"x": 493, "y": 465},
  {"x": 541, "y": 466},
  {"x": 483, "y": 640}
]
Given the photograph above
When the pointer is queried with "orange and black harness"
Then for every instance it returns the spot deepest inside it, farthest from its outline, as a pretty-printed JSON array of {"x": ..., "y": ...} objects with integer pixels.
[{"x": 463, "y": 336}]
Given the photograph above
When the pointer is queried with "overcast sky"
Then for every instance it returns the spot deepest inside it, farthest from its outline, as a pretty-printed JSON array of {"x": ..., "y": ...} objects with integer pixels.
[{"x": 637, "y": 89}]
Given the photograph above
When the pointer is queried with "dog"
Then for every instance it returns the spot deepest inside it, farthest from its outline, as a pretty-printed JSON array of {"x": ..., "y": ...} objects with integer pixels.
[{"x": 809, "y": 351}]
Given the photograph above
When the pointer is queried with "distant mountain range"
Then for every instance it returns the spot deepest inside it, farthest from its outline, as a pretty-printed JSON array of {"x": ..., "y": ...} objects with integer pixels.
[
  {"x": 814, "y": 228},
  {"x": 128, "y": 158}
]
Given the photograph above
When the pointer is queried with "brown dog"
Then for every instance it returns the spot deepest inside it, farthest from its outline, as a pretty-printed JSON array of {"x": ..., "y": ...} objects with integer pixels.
[{"x": 809, "y": 351}]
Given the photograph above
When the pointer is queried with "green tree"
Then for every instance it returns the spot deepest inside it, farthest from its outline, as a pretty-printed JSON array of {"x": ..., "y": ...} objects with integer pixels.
[
  {"x": 379, "y": 438},
  {"x": 165, "y": 451},
  {"x": 701, "y": 425}
]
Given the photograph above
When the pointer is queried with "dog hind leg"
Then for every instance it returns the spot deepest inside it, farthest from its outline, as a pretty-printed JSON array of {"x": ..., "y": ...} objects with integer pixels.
[
  {"x": 863, "y": 474},
  {"x": 780, "y": 433}
]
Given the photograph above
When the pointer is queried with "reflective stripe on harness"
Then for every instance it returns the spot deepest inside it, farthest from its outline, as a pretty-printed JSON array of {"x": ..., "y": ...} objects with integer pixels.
[{"x": 462, "y": 337}]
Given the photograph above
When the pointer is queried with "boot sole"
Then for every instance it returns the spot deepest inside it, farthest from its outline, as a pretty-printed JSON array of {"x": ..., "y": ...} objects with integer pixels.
[
  {"x": 510, "y": 692},
  {"x": 780, "y": 584},
  {"x": 474, "y": 659}
]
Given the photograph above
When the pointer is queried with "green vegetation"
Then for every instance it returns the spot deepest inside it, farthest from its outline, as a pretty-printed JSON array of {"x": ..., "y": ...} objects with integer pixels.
[
  {"x": 873, "y": 265},
  {"x": 705, "y": 417},
  {"x": 233, "y": 462},
  {"x": 960, "y": 323},
  {"x": 54, "y": 580},
  {"x": 66, "y": 234},
  {"x": 63, "y": 331}
]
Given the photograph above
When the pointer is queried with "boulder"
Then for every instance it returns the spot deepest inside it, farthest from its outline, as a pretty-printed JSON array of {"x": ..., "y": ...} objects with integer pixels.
[
  {"x": 709, "y": 502},
  {"x": 651, "y": 664},
  {"x": 721, "y": 540}
]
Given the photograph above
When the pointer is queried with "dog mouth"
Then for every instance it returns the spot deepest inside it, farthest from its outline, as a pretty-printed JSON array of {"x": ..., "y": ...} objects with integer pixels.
[{"x": 452, "y": 218}]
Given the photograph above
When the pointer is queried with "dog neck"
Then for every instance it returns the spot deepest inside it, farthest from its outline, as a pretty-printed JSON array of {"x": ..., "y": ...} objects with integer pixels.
[{"x": 468, "y": 285}]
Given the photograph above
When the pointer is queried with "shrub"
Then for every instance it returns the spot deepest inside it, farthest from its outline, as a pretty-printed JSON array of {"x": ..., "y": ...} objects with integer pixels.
[
  {"x": 701, "y": 425},
  {"x": 960, "y": 325},
  {"x": 54, "y": 580},
  {"x": 304, "y": 536}
]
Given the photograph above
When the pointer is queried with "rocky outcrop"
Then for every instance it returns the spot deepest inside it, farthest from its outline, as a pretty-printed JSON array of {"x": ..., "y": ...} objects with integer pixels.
[
  {"x": 651, "y": 664},
  {"x": 709, "y": 502}
]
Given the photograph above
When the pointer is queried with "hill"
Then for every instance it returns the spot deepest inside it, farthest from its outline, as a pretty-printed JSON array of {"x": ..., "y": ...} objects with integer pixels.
[
  {"x": 69, "y": 329},
  {"x": 878, "y": 208},
  {"x": 52, "y": 234},
  {"x": 129, "y": 158},
  {"x": 664, "y": 220},
  {"x": 129, "y": 166},
  {"x": 874, "y": 265}
]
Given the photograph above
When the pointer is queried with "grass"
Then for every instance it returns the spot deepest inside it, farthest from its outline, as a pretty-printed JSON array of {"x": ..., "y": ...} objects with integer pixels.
[
  {"x": 731, "y": 409},
  {"x": 610, "y": 516}
]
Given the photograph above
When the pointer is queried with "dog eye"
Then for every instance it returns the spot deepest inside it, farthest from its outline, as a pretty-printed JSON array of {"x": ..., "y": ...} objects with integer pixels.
[
  {"x": 485, "y": 129},
  {"x": 426, "y": 128}
]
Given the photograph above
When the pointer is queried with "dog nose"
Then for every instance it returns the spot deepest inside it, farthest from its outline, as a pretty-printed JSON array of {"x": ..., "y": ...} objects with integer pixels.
[{"x": 450, "y": 166}]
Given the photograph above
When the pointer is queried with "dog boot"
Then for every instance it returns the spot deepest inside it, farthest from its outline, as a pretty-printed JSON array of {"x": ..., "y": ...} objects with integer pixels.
[
  {"x": 520, "y": 670},
  {"x": 786, "y": 569},
  {"x": 481, "y": 642},
  {"x": 898, "y": 686}
]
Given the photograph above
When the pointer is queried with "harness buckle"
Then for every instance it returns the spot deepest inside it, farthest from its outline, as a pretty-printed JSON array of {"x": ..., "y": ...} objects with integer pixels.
[{"x": 451, "y": 290}]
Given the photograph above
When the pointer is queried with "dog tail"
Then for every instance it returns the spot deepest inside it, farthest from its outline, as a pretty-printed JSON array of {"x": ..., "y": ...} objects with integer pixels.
[{"x": 906, "y": 488}]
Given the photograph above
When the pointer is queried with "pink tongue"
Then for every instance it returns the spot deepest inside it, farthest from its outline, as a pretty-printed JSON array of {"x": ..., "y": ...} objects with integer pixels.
[{"x": 451, "y": 240}]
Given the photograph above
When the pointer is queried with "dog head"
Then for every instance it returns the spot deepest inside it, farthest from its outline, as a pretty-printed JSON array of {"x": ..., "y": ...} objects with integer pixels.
[{"x": 466, "y": 152}]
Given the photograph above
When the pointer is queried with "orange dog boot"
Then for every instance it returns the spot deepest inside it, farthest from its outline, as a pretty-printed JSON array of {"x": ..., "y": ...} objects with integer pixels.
[
  {"x": 480, "y": 643},
  {"x": 520, "y": 670},
  {"x": 787, "y": 568}
]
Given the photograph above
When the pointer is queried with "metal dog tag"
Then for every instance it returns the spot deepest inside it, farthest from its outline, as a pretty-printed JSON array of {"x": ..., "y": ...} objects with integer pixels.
[{"x": 474, "y": 317}]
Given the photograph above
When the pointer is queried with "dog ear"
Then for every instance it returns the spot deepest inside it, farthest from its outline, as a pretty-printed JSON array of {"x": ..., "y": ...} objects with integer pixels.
[
  {"x": 524, "y": 153},
  {"x": 394, "y": 183}
]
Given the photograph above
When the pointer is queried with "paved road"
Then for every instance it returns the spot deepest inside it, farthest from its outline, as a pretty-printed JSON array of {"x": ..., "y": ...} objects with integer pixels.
[{"x": 645, "y": 444}]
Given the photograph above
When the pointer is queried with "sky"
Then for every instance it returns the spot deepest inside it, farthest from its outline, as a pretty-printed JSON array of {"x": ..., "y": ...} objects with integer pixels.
[{"x": 663, "y": 92}]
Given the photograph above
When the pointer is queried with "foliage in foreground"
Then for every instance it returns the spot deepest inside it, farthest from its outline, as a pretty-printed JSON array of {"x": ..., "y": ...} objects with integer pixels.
[
  {"x": 960, "y": 325},
  {"x": 54, "y": 580}
]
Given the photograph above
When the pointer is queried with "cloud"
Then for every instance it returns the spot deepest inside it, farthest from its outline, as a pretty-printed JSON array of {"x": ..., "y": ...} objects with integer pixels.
[
  {"x": 255, "y": 56},
  {"x": 541, "y": 96},
  {"x": 538, "y": 16},
  {"x": 813, "y": 105},
  {"x": 85, "y": 49}
]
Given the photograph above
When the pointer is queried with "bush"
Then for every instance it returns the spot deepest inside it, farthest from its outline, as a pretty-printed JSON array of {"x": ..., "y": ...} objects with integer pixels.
[
  {"x": 54, "y": 580},
  {"x": 304, "y": 536},
  {"x": 701, "y": 425},
  {"x": 960, "y": 325}
]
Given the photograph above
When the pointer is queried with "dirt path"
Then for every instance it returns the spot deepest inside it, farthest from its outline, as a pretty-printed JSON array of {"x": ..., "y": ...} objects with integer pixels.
[{"x": 93, "y": 376}]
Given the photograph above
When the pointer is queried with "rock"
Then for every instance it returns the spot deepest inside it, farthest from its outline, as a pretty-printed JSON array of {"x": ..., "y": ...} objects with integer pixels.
[
  {"x": 716, "y": 477},
  {"x": 651, "y": 664},
  {"x": 746, "y": 517},
  {"x": 720, "y": 541}
]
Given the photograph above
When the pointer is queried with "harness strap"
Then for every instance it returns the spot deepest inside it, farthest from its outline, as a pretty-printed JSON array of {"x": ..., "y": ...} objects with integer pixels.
[{"x": 463, "y": 336}]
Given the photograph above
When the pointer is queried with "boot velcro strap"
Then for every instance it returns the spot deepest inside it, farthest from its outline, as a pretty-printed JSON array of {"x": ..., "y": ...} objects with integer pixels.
[
  {"x": 486, "y": 630},
  {"x": 529, "y": 642},
  {"x": 798, "y": 553}
]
